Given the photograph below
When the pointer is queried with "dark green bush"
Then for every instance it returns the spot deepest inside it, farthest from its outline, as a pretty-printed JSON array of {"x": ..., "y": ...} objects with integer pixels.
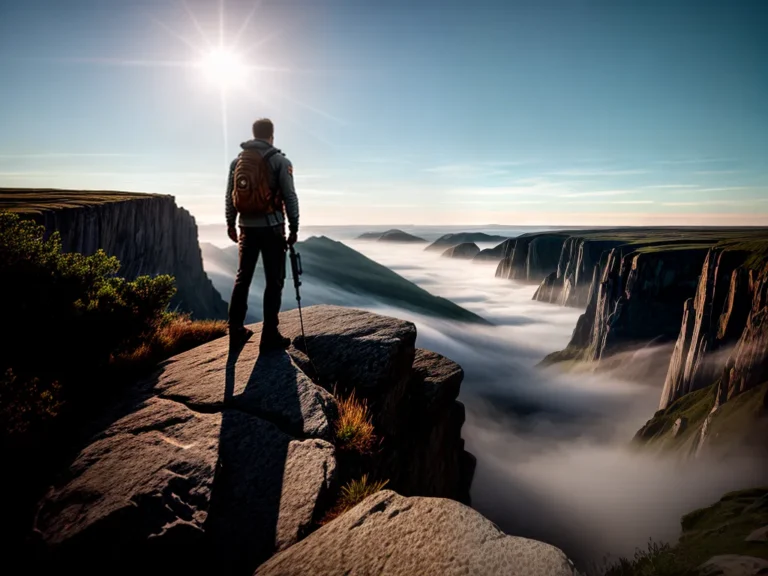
[{"x": 66, "y": 313}]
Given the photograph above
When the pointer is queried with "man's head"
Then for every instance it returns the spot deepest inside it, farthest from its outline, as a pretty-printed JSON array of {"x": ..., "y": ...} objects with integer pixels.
[{"x": 263, "y": 129}]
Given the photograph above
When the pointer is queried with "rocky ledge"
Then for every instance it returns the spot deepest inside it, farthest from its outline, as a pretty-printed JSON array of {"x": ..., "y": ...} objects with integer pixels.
[{"x": 225, "y": 457}]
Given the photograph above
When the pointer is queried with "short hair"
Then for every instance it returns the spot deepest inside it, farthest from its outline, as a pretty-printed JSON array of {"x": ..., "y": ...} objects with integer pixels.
[{"x": 263, "y": 129}]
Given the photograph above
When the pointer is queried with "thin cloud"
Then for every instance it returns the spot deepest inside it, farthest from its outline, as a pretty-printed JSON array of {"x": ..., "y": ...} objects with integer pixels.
[
  {"x": 596, "y": 172},
  {"x": 601, "y": 193},
  {"x": 714, "y": 172},
  {"x": 52, "y": 155},
  {"x": 694, "y": 161},
  {"x": 665, "y": 186}
]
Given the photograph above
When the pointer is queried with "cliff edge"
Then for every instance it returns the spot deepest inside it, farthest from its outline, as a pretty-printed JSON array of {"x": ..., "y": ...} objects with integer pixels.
[{"x": 148, "y": 233}]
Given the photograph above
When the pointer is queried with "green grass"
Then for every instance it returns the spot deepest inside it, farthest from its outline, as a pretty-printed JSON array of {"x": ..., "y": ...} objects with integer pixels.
[
  {"x": 694, "y": 407},
  {"x": 36, "y": 201},
  {"x": 718, "y": 529},
  {"x": 741, "y": 421}
]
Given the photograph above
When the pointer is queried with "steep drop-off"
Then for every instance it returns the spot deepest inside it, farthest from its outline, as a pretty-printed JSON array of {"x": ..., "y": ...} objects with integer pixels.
[
  {"x": 148, "y": 233},
  {"x": 226, "y": 457},
  {"x": 531, "y": 257}
]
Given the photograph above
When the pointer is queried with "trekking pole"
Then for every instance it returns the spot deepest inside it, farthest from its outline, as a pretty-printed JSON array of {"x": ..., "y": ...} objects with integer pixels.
[{"x": 297, "y": 271}]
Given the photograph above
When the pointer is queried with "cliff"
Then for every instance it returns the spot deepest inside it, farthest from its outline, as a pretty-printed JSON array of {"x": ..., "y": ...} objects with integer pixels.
[
  {"x": 570, "y": 284},
  {"x": 450, "y": 240},
  {"x": 225, "y": 456},
  {"x": 464, "y": 251},
  {"x": 148, "y": 233},
  {"x": 493, "y": 254},
  {"x": 723, "y": 331},
  {"x": 531, "y": 257},
  {"x": 635, "y": 299}
]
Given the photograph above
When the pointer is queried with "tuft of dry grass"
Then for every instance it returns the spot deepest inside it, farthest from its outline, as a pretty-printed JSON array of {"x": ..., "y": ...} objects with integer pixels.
[
  {"x": 354, "y": 429},
  {"x": 175, "y": 335},
  {"x": 352, "y": 493}
]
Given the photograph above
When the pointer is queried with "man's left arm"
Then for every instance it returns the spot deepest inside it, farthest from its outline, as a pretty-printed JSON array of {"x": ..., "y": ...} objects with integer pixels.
[{"x": 290, "y": 199}]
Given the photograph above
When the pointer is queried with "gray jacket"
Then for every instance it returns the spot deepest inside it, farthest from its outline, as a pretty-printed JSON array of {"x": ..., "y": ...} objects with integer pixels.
[{"x": 281, "y": 181}]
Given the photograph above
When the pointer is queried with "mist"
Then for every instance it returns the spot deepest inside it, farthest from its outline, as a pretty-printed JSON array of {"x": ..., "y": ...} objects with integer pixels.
[{"x": 554, "y": 460}]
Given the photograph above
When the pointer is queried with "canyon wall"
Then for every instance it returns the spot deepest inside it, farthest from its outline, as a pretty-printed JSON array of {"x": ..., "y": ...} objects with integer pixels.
[
  {"x": 148, "y": 233},
  {"x": 724, "y": 332},
  {"x": 531, "y": 257}
]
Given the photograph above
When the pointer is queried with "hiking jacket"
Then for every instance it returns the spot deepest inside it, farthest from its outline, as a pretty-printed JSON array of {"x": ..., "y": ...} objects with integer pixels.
[{"x": 281, "y": 181}]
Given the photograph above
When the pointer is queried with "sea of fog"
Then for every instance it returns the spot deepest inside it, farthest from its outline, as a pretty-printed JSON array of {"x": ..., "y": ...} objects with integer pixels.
[{"x": 553, "y": 455}]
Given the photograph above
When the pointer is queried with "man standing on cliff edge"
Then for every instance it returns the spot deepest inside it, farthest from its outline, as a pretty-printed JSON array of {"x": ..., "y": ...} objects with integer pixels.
[{"x": 260, "y": 189}]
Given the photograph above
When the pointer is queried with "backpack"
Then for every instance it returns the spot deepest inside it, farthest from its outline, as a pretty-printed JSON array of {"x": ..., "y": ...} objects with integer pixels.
[{"x": 251, "y": 193}]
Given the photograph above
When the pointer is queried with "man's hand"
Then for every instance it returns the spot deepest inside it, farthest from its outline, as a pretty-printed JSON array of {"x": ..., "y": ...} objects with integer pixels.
[
  {"x": 292, "y": 237},
  {"x": 232, "y": 233}
]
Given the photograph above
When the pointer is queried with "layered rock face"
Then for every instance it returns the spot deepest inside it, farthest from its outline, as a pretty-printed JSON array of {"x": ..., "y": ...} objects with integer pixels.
[
  {"x": 227, "y": 456},
  {"x": 637, "y": 299},
  {"x": 570, "y": 284},
  {"x": 724, "y": 333},
  {"x": 149, "y": 234},
  {"x": 389, "y": 534},
  {"x": 725, "y": 310},
  {"x": 531, "y": 257}
]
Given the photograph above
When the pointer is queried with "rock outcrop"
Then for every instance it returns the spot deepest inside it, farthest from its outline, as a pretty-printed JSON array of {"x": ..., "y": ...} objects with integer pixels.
[
  {"x": 390, "y": 534},
  {"x": 727, "y": 311},
  {"x": 531, "y": 257},
  {"x": 637, "y": 299},
  {"x": 494, "y": 254},
  {"x": 465, "y": 251},
  {"x": 228, "y": 456},
  {"x": 580, "y": 259},
  {"x": 449, "y": 240},
  {"x": 148, "y": 233},
  {"x": 394, "y": 235}
]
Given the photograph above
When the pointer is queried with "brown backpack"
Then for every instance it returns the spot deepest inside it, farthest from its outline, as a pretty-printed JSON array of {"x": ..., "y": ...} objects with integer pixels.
[{"x": 251, "y": 193}]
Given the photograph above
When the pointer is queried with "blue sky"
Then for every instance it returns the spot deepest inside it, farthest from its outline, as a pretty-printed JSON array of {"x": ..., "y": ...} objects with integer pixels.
[{"x": 571, "y": 112}]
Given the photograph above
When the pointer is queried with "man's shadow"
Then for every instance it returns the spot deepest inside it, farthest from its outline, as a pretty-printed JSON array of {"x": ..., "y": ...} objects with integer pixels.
[{"x": 258, "y": 423}]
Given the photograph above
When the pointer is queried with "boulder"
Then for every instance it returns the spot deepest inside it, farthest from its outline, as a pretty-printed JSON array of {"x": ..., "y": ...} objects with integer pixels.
[
  {"x": 224, "y": 456},
  {"x": 465, "y": 251},
  {"x": 734, "y": 565},
  {"x": 394, "y": 535}
]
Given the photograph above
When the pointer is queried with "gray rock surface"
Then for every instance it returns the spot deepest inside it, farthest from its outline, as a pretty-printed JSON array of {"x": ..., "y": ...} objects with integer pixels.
[
  {"x": 270, "y": 386},
  {"x": 734, "y": 565},
  {"x": 392, "y": 535},
  {"x": 223, "y": 457}
]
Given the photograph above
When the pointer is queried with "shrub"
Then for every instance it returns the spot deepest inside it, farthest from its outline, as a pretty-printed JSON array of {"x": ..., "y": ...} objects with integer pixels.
[
  {"x": 66, "y": 313},
  {"x": 658, "y": 559},
  {"x": 354, "y": 429},
  {"x": 352, "y": 494}
]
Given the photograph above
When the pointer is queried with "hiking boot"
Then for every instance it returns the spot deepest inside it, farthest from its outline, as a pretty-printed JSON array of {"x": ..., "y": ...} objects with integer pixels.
[
  {"x": 239, "y": 336},
  {"x": 273, "y": 340}
]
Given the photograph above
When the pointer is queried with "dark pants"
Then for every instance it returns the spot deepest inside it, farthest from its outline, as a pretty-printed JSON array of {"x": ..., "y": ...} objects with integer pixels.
[{"x": 269, "y": 241}]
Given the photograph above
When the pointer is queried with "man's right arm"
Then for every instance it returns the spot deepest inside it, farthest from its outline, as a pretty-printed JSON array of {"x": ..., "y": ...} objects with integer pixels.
[{"x": 230, "y": 210}]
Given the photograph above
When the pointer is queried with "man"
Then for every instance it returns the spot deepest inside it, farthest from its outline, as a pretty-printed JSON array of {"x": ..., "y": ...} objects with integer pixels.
[{"x": 260, "y": 189}]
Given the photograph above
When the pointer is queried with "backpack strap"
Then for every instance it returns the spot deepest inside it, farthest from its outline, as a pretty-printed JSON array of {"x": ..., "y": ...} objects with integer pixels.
[{"x": 271, "y": 152}]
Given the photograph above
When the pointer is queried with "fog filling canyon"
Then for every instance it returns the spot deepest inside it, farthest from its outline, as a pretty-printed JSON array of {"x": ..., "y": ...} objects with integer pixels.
[{"x": 554, "y": 460}]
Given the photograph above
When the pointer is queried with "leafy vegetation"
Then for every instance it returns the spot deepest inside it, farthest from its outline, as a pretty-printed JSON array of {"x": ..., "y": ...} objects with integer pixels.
[
  {"x": 352, "y": 493},
  {"x": 70, "y": 322},
  {"x": 354, "y": 428}
]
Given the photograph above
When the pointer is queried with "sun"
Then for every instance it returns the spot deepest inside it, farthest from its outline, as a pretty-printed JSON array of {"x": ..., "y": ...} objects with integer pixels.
[{"x": 224, "y": 68}]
